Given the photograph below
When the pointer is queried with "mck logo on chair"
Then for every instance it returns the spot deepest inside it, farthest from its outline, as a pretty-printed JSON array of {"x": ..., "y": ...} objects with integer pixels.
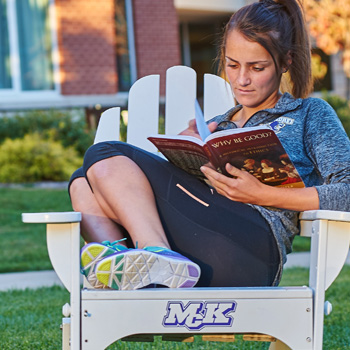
[{"x": 196, "y": 315}]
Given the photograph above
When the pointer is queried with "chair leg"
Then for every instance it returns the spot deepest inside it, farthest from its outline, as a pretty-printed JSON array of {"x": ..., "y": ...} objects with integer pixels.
[
  {"x": 65, "y": 333},
  {"x": 278, "y": 345}
]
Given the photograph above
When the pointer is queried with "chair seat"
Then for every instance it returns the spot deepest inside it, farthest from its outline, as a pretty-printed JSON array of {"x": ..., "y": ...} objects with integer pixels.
[{"x": 302, "y": 292}]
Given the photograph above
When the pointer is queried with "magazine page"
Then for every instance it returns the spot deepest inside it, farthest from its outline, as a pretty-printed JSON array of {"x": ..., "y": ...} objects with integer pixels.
[{"x": 202, "y": 126}]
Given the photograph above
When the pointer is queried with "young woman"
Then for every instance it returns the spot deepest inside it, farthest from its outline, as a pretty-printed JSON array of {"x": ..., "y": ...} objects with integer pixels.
[{"x": 238, "y": 231}]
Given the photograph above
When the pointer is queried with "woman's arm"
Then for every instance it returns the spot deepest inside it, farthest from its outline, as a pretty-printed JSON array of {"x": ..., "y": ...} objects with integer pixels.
[
  {"x": 328, "y": 146},
  {"x": 245, "y": 188}
]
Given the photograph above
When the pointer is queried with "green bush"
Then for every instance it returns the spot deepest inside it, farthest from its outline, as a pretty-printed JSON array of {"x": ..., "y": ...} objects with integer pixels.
[
  {"x": 69, "y": 127},
  {"x": 33, "y": 158},
  {"x": 342, "y": 108}
]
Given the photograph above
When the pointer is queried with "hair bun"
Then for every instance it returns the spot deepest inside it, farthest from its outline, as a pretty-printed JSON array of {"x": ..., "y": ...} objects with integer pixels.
[
  {"x": 271, "y": 4},
  {"x": 267, "y": 2}
]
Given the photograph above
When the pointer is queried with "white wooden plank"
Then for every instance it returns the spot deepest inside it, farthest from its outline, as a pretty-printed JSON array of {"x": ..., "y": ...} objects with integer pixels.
[
  {"x": 325, "y": 215},
  {"x": 181, "y": 84},
  {"x": 218, "y": 96},
  {"x": 143, "y": 110},
  {"x": 108, "y": 126},
  {"x": 338, "y": 242},
  {"x": 52, "y": 218}
]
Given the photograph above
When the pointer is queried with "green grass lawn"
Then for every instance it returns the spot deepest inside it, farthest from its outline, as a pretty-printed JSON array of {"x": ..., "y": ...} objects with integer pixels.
[
  {"x": 30, "y": 320},
  {"x": 25, "y": 244}
]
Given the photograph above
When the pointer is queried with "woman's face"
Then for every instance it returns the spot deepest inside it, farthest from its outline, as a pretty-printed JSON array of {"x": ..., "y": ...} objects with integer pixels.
[{"x": 251, "y": 72}]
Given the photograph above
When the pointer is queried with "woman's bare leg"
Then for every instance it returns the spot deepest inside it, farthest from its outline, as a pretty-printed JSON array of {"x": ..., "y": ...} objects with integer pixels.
[
  {"x": 123, "y": 201},
  {"x": 124, "y": 194},
  {"x": 96, "y": 226}
]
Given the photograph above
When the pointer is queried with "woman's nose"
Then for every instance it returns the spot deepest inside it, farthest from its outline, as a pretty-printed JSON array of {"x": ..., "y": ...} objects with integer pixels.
[{"x": 243, "y": 78}]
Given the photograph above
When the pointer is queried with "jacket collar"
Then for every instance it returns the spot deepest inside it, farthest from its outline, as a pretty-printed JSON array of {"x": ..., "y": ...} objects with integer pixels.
[{"x": 286, "y": 103}]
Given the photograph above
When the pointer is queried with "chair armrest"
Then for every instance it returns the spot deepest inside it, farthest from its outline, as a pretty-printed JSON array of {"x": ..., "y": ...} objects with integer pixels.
[
  {"x": 63, "y": 244},
  {"x": 308, "y": 217},
  {"x": 331, "y": 215},
  {"x": 51, "y": 218},
  {"x": 330, "y": 233}
]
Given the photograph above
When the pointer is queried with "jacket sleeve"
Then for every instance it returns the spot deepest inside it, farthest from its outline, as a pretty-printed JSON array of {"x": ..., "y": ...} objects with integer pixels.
[{"x": 328, "y": 145}]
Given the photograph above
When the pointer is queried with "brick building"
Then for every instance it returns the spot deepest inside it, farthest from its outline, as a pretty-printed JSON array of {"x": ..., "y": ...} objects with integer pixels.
[
  {"x": 84, "y": 52},
  {"x": 67, "y": 53}
]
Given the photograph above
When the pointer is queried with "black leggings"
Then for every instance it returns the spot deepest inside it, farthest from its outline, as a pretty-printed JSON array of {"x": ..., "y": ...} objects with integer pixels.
[{"x": 230, "y": 241}]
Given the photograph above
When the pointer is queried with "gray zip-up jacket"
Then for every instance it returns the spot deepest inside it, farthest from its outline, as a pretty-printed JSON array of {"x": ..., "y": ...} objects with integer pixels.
[{"x": 317, "y": 144}]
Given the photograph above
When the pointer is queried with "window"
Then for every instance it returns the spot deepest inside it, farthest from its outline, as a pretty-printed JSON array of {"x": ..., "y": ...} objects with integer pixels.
[
  {"x": 5, "y": 69},
  {"x": 26, "y": 46},
  {"x": 200, "y": 46}
]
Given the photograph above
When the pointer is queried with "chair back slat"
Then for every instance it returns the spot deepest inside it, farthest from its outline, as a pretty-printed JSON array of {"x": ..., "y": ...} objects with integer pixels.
[
  {"x": 218, "y": 96},
  {"x": 181, "y": 85},
  {"x": 143, "y": 112},
  {"x": 108, "y": 126}
]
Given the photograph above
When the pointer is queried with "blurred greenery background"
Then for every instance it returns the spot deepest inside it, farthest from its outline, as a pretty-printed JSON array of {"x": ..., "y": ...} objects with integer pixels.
[{"x": 48, "y": 145}]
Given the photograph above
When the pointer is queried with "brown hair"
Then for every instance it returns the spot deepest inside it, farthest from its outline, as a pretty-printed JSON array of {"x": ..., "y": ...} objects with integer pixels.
[{"x": 279, "y": 26}]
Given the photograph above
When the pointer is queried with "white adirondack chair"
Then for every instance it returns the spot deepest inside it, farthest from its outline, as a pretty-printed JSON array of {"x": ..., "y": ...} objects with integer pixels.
[{"x": 291, "y": 318}]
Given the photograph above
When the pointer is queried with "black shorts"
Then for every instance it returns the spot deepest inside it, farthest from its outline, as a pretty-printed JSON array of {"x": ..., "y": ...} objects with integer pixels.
[{"x": 231, "y": 241}]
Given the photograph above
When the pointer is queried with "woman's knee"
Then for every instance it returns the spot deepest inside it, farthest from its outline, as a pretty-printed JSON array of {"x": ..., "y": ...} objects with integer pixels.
[
  {"x": 75, "y": 180},
  {"x": 79, "y": 189},
  {"x": 101, "y": 151}
]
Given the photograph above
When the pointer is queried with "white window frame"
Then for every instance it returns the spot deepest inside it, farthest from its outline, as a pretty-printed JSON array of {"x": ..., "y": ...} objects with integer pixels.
[
  {"x": 16, "y": 91},
  {"x": 131, "y": 39}
]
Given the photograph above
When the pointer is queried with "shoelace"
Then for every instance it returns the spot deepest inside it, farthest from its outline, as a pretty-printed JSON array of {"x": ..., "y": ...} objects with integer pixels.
[
  {"x": 113, "y": 244},
  {"x": 157, "y": 249}
]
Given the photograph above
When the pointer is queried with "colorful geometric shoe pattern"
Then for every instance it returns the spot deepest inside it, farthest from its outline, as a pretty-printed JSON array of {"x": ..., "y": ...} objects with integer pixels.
[
  {"x": 138, "y": 268},
  {"x": 92, "y": 253}
]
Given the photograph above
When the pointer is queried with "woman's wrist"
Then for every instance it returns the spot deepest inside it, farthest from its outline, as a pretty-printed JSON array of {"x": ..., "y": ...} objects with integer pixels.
[{"x": 298, "y": 199}]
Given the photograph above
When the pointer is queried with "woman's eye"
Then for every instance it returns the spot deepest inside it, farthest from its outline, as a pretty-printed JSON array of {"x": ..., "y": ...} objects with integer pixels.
[
  {"x": 258, "y": 69},
  {"x": 232, "y": 65}
]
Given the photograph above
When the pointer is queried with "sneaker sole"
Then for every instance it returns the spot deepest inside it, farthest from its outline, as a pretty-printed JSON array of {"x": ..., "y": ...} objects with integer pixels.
[
  {"x": 92, "y": 254},
  {"x": 139, "y": 268}
]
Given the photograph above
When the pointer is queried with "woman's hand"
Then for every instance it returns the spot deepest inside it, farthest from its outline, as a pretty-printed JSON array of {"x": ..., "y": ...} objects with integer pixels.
[
  {"x": 192, "y": 129},
  {"x": 243, "y": 187}
]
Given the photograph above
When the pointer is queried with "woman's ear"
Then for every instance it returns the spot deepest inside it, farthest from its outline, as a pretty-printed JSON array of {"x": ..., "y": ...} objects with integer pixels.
[{"x": 288, "y": 62}]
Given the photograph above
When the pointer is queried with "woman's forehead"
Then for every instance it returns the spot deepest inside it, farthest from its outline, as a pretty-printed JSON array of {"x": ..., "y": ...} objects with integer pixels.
[{"x": 237, "y": 46}]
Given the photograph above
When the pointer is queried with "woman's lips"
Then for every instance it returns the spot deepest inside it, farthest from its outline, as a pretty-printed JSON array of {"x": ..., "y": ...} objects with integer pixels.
[{"x": 245, "y": 91}]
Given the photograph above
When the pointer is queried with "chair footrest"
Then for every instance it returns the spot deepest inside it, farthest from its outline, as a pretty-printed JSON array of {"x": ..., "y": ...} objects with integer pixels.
[
  {"x": 219, "y": 337},
  {"x": 258, "y": 337},
  {"x": 185, "y": 338},
  {"x": 145, "y": 338}
]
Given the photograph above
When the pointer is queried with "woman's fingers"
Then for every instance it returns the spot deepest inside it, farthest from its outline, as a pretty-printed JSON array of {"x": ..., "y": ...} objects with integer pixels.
[
  {"x": 212, "y": 126},
  {"x": 242, "y": 186}
]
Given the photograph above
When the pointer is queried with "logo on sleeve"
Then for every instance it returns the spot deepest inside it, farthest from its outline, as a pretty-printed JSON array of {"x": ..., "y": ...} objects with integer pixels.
[{"x": 196, "y": 315}]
